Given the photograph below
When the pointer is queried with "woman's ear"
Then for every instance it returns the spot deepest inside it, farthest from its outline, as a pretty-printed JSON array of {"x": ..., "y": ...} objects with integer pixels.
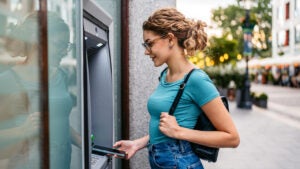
[{"x": 171, "y": 38}]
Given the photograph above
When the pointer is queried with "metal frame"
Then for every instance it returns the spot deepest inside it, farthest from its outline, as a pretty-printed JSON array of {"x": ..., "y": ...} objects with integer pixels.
[{"x": 95, "y": 11}]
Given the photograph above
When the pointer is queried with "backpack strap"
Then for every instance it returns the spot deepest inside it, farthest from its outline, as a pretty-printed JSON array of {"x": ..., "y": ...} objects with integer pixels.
[
  {"x": 165, "y": 69},
  {"x": 179, "y": 93}
]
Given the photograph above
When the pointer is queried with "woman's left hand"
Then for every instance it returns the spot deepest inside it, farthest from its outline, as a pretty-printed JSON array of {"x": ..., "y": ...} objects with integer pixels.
[{"x": 168, "y": 125}]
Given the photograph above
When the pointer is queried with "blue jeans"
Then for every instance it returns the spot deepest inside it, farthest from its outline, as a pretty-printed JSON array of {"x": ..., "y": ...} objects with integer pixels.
[{"x": 174, "y": 154}]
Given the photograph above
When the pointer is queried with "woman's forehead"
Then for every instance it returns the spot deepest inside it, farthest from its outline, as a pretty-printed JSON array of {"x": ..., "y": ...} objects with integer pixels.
[{"x": 147, "y": 34}]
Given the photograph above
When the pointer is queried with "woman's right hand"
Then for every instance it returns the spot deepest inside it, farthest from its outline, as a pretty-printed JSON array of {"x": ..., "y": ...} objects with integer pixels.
[
  {"x": 31, "y": 125},
  {"x": 130, "y": 147}
]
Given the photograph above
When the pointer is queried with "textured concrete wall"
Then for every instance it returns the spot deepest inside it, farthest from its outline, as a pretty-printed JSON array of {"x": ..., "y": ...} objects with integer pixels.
[{"x": 143, "y": 75}]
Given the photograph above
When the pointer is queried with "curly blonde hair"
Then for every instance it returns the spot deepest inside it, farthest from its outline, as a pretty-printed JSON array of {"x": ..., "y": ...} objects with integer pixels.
[{"x": 190, "y": 33}]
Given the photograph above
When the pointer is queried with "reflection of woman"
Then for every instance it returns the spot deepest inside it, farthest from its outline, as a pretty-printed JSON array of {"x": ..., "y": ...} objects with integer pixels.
[
  {"x": 168, "y": 35},
  {"x": 60, "y": 100},
  {"x": 15, "y": 123}
]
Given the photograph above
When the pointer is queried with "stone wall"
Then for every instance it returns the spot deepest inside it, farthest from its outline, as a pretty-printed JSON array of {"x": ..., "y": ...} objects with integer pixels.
[{"x": 143, "y": 75}]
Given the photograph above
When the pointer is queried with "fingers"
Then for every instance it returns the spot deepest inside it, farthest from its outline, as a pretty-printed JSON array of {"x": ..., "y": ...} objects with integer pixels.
[
  {"x": 127, "y": 146},
  {"x": 35, "y": 119},
  {"x": 164, "y": 114},
  {"x": 36, "y": 114},
  {"x": 31, "y": 125},
  {"x": 123, "y": 157},
  {"x": 118, "y": 144},
  {"x": 164, "y": 117}
]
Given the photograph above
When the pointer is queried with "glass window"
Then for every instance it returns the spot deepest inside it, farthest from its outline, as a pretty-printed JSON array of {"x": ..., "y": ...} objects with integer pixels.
[
  {"x": 287, "y": 38},
  {"x": 64, "y": 84},
  {"x": 297, "y": 8},
  {"x": 297, "y": 34},
  {"x": 20, "y": 92},
  {"x": 287, "y": 11},
  {"x": 280, "y": 38},
  {"x": 20, "y": 106},
  {"x": 280, "y": 13},
  {"x": 283, "y": 38}
]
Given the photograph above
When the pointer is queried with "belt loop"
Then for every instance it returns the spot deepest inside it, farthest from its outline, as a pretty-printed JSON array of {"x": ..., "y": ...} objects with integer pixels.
[
  {"x": 181, "y": 146},
  {"x": 149, "y": 146}
]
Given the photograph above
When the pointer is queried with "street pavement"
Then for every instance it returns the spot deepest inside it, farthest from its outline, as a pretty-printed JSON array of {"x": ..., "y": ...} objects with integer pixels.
[{"x": 270, "y": 138}]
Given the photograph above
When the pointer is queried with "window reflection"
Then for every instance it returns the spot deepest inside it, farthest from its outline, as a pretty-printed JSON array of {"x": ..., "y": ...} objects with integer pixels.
[
  {"x": 19, "y": 109},
  {"x": 20, "y": 94},
  {"x": 61, "y": 100}
]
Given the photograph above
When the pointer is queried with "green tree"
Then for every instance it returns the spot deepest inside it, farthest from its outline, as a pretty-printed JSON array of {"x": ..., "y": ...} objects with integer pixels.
[
  {"x": 230, "y": 19},
  {"x": 263, "y": 14},
  {"x": 222, "y": 50}
]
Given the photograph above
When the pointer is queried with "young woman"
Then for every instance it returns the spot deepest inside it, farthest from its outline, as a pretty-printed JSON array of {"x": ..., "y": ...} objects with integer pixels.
[{"x": 168, "y": 38}]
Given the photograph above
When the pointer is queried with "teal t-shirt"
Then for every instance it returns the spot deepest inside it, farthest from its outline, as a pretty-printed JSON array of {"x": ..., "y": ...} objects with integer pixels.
[{"x": 198, "y": 91}]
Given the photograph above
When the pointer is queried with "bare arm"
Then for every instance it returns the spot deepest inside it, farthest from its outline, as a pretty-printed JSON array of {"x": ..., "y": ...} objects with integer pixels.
[
  {"x": 75, "y": 137},
  {"x": 131, "y": 147},
  {"x": 11, "y": 136},
  {"x": 226, "y": 134},
  {"x": 28, "y": 129},
  {"x": 12, "y": 140}
]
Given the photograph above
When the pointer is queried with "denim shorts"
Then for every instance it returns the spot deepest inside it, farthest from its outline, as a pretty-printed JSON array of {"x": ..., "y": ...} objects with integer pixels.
[{"x": 173, "y": 154}]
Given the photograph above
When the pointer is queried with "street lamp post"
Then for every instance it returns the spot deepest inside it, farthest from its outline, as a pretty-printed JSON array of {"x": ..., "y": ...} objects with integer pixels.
[{"x": 245, "y": 101}]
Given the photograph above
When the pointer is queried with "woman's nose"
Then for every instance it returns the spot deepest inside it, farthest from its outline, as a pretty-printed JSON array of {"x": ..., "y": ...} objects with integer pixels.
[{"x": 146, "y": 52}]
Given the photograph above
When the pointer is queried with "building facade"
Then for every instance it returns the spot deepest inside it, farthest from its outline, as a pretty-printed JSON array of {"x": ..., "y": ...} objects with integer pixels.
[
  {"x": 286, "y": 40},
  {"x": 284, "y": 65}
]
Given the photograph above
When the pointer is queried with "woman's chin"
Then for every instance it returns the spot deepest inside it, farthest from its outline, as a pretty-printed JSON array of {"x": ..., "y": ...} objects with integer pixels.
[{"x": 157, "y": 64}]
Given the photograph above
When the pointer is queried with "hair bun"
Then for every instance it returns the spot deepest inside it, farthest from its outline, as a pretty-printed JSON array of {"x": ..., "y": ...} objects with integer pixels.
[{"x": 196, "y": 37}]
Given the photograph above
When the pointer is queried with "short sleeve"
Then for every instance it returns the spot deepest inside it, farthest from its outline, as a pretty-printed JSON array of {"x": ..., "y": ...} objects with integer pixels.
[{"x": 201, "y": 88}]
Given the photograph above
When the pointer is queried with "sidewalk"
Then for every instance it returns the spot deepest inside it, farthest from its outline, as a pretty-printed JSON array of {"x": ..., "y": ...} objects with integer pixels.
[
  {"x": 282, "y": 100},
  {"x": 269, "y": 140},
  {"x": 292, "y": 112}
]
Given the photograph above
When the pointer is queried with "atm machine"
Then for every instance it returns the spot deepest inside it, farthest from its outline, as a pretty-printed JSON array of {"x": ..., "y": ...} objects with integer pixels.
[{"x": 98, "y": 89}]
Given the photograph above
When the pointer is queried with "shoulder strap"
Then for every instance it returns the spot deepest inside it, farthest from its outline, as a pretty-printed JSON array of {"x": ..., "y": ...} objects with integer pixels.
[
  {"x": 162, "y": 72},
  {"x": 179, "y": 93}
]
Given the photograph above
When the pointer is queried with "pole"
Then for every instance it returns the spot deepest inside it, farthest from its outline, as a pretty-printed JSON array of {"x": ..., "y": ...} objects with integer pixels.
[{"x": 247, "y": 26}]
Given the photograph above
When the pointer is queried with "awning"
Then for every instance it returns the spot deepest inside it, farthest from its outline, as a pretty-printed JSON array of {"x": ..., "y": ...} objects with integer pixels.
[{"x": 275, "y": 61}]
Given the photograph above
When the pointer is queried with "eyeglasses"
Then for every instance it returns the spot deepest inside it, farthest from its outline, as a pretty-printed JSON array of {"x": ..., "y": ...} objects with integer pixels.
[{"x": 148, "y": 45}]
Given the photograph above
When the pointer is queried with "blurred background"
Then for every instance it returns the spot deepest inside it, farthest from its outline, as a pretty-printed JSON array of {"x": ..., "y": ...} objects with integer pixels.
[{"x": 253, "y": 56}]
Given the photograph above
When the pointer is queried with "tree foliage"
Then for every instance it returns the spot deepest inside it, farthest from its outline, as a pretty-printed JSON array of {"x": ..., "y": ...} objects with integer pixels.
[
  {"x": 222, "y": 50},
  {"x": 230, "y": 19}
]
